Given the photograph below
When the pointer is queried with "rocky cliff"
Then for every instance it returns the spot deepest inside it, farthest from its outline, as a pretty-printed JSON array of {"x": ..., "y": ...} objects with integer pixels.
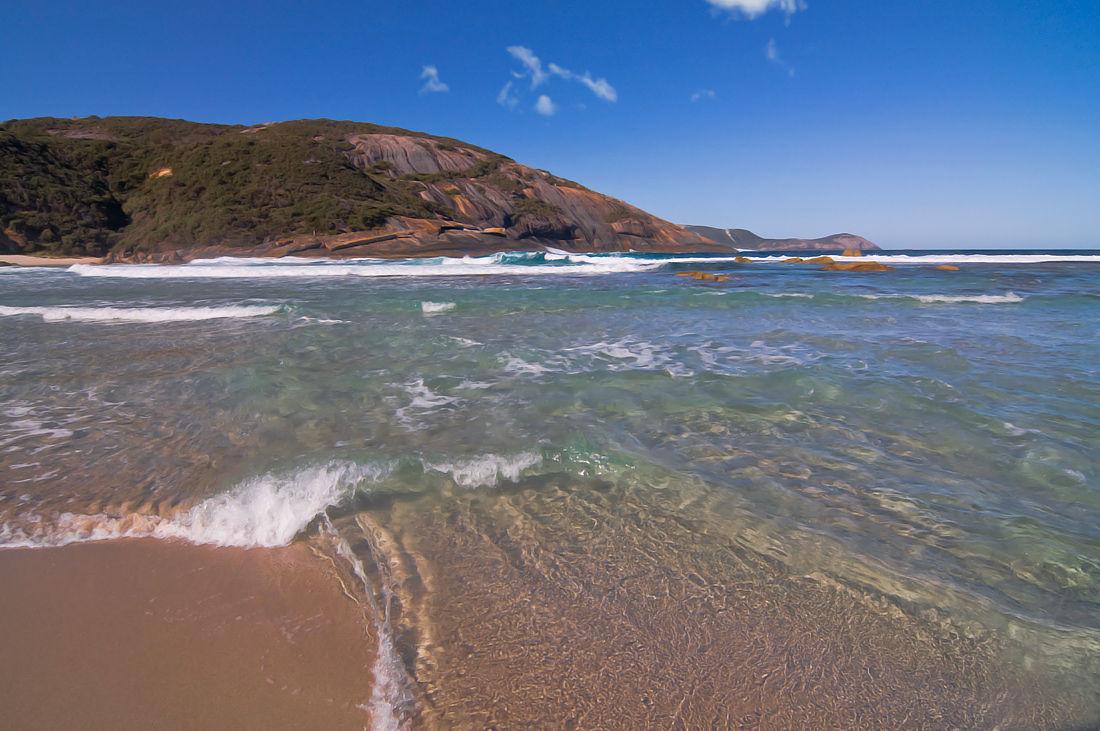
[
  {"x": 167, "y": 190},
  {"x": 742, "y": 239}
]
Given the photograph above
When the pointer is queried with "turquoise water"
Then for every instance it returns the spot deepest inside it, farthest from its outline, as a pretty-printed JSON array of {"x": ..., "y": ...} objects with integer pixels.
[{"x": 916, "y": 449}]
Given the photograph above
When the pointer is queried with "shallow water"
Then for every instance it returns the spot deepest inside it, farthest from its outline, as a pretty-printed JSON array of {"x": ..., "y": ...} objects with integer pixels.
[{"x": 584, "y": 492}]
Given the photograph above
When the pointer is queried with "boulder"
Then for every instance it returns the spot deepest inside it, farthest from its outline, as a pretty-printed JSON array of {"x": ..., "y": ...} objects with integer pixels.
[
  {"x": 821, "y": 260},
  {"x": 852, "y": 252},
  {"x": 793, "y": 260},
  {"x": 703, "y": 276},
  {"x": 743, "y": 260},
  {"x": 948, "y": 268},
  {"x": 857, "y": 266}
]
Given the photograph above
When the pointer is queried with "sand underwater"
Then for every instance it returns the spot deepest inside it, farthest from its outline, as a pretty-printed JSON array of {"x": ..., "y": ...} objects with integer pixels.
[{"x": 552, "y": 491}]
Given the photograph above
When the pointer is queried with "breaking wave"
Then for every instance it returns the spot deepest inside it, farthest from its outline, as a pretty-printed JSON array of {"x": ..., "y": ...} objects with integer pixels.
[
  {"x": 266, "y": 511},
  {"x": 141, "y": 314},
  {"x": 523, "y": 263}
]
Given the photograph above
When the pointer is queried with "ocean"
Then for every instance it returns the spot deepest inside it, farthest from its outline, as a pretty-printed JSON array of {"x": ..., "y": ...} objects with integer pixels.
[{"x": 579, "y": 491}]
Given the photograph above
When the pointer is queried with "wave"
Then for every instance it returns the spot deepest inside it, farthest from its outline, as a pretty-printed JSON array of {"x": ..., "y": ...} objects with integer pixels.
[
  {"x": 938, "y": 258},
  {"x": 487, "y": 470},
  {"x": 141, "y": 314},
  {"x": 266, "y": 511},
  {"x": 432, "y": 308},
  {"x": 524, "y": 263},
  {"x": 550, "y": 262},
  {"x": 983, "y": 299}
]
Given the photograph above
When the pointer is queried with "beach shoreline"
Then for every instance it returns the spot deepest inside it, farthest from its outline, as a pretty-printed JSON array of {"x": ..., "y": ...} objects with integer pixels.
[
  {"x": 144, "y": 633},
  {"x": 23, "y": 260}
]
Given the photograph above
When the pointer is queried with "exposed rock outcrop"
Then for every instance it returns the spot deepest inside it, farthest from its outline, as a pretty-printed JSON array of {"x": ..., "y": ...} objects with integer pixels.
[{"x": 858, "y": 266}]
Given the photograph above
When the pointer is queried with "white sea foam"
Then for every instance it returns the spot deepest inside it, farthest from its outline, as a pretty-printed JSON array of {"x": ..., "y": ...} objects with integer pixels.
[
  {"x": 431, "y": 308},
  {"x": 626, "y": 354},
  {"x": 984, "y": 299},
  {"x": 270, "y": 510},
  {"x": 390, "y": 693},
  {"x": 265, "y": 511},
  {"x": 468, "y": 385},
  {"x": 486, "y": 470},
  {"x": 520, "y": 367},
  {"x": 140, "y": 314},
  {"x": 944, "y": 258},
  {"x": 424, "y": 402},
  {"x": 511, "y": 263}
]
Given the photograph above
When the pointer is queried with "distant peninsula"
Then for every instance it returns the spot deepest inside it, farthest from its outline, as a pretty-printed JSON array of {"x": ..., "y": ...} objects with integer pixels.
[
  {"x": 159, "y": 190},
  {"x": 742, "y": 239}
]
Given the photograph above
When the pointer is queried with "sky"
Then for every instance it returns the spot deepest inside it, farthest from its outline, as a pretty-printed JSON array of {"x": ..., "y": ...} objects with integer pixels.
[{"x": 932, "y": 124}]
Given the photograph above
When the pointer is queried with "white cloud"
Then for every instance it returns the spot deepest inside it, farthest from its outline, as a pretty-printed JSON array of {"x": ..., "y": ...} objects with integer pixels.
[
  {"x": 772, "y": 52},
  {"x": 431, "y": 73},
  {"x": 754, "y": 8},
  {"x": 545, "y": 107},
  {"x": 534, "y": 70},
  {"x": 702, "y": 94},
  {"x": 599, "y": 87},
  {"x": 531, "y": 61},
  {"x": 505, "y": 98}
]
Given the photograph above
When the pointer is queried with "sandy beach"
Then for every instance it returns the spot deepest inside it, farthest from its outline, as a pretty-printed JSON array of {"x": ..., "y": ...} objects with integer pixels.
[
  {"x": 23, "y": 260},
  {"x": 139, "y": 634}
]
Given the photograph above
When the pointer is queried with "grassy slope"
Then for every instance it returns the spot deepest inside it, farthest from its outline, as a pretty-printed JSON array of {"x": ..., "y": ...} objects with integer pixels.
[{"x": 84, "y": 186}]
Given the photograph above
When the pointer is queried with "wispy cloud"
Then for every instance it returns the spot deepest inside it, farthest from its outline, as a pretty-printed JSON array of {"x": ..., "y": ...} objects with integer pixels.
[
  {"x": 755, "y": 8},
  {"x": 505, "y": 98},
  {"x": 599, "y": 87},
  {"x": 703, "y": 94},
  {"x": 431, "y": 73},
  {"x": 533, "y": 70},
  {"x": 531, "y": 61},
  {"x": 772, "y": 52},
  {"x": 545, "y": 107}
]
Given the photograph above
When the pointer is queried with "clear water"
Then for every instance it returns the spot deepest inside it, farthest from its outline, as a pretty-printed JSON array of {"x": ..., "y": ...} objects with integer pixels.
[{"x": 880, "y": 478}]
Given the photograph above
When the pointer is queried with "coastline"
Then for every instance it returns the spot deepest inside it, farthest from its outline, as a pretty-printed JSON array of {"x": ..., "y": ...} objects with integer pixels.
[
  {"x": 143, "y": 633},
  {"x": 24, "y": 260}
]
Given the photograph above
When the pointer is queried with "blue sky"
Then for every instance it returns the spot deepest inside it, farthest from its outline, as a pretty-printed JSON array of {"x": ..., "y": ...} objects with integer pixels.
[{"x": 931, "y": 124}]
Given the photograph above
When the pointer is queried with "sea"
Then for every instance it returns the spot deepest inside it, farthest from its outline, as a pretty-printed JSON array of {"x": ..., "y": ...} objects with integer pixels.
[{"x": 581, "y": 491}]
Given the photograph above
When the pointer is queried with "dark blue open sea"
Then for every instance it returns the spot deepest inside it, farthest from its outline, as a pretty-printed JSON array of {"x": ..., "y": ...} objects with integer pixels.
[{"x": 581, "y": 492}]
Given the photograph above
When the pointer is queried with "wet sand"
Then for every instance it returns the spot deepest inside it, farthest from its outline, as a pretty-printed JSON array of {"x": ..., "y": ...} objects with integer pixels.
[
  {"x": 41, "y": 261},
  {"x": 573, "y": 606},
  {"x": 140, "y": 634}
]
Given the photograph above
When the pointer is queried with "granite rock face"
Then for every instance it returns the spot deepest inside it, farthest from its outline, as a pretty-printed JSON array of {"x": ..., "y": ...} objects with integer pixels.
[{"x": 519, "y": 207}]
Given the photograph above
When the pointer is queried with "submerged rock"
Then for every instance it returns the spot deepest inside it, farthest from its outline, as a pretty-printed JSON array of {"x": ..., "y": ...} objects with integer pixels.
[
  {"x": 861, "y": 266},
  {"x": 948, "y": 268},
  {"x": 703, "y": 276}
]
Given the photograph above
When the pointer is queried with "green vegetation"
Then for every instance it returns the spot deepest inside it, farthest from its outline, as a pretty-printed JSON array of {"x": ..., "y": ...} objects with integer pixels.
[
  {"x": 89, "y": 186},
  {"x": 564, "y": 183},
  {"x": 533, "y": 207},
  {"x": 619, "y": 214}
]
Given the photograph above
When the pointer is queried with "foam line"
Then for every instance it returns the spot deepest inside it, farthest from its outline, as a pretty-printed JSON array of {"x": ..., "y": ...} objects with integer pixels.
[{"x": 140, "y": 314}]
